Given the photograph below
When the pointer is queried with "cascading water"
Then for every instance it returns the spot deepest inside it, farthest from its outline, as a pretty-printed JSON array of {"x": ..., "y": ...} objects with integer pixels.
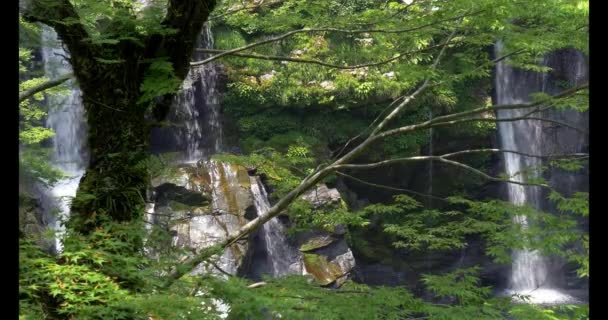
[
  {"x": 66, "y": 118},
  {"x": 529, "y": 274},
  {"x": 196, "y": 129},
  {"x": 281, "y": 257},
  {"x": 196, "y": 133}
]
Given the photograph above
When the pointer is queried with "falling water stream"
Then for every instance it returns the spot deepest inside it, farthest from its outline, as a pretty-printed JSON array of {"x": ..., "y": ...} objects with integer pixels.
[
  {"x": 529, "y": 275},
  {"x": 66, "y": 118},
  {"x": 282, "y": 258}
]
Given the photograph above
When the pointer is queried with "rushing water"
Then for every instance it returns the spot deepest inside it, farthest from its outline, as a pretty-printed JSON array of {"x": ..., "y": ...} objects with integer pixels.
[
  {"x": 195, "y": 119},
  {"x": 529, "y": 275},
  {"x": 282, "y": 258},
  {"x": 66, "y": 118}
]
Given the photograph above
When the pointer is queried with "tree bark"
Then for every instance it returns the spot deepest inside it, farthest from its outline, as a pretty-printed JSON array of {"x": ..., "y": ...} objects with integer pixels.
[{"x": 114, "y": 184}]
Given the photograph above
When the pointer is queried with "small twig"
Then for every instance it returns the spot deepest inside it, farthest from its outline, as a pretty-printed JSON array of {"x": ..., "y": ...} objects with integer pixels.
[
  {"x": 104, "y": 105},
  {"x": 389, "y": 187},
  {"x": 220, "y": 269},
  {"x": 256, "y": 285}
]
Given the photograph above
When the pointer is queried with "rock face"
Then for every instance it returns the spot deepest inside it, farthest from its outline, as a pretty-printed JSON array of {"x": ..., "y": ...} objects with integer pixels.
[
  {"x": 328, "y": 262},
  {"x": 201, "y": 204},
  {"x": 33, "y": 222},
  {"x": 325, "y": 255},
  {"x": 322, "y": 196}
]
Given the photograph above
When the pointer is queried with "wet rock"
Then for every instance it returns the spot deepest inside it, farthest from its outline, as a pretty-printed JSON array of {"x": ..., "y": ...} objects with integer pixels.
[
  {"x": 331, "y": 265},
  {"x": 390, "y": 75},
  {"x": 205, "y": 231},
  {"x": 202, "y": 204},
  {"x": 322, "y": 196},
  {"x": 316, "y": 243},
  {"x": 327, "y": 85}
]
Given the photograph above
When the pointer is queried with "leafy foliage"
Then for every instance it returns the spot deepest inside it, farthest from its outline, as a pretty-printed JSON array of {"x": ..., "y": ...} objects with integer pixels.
[{"x": 294, "y": 117}]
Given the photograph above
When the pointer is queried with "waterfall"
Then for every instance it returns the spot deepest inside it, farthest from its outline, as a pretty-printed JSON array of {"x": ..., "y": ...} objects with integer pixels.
[
  {"x": 66, "y": 118},
  {"x": 195, "y": 118},
  {"x": 282, "y": 258},
  {"x": 529, "y": 275},
  {"x": 196, "y": 133}
]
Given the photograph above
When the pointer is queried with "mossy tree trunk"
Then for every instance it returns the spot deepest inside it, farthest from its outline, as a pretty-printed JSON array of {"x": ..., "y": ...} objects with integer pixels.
[{"x": 114, "y": 184}]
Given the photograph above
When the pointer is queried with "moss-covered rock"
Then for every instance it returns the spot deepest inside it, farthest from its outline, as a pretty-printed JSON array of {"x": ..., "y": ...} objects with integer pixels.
[
  {"x": 316, "y": 243},
  {"x": 322, "y": 270},
  {"x": 202, "y": 204}
]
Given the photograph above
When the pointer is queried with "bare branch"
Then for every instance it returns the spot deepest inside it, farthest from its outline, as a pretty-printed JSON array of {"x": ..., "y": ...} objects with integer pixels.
[
  {"x": 319, "y": 62},
  {"x": 220, "y": 269},
  {"x": 306, "y": 30},
  {"x": 407, "y": 100},
  {"x": 389, "y": 187},
  {"x": 256, "y": 285},
  {"x": 440, "y": 159},
  {"x": 453, "y": 154},
  {"x": 446, "y": 120},
  {"x": 523, "y": 118},
  {"x": 44, "y": 86},
  {"x": 392, "y": 103},
  {"x": 308, "y": 182},
  {"x": 551, "y": 156}
]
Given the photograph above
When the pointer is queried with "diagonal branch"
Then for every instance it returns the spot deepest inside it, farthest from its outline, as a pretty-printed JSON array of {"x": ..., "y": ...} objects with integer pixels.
[
  {"x": 407, "y": 100},
  {"x": 492, "y": 62},
  {"x": 307, "y": 183},
  {"x": 44, "y": 86}
]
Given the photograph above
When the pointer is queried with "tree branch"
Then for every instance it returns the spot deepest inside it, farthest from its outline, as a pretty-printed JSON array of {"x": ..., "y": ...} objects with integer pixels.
[
  {"x": 318, "y": 62},
  {"x": 453, "y": 122},
  {"x": 453, "y": 154},
  {"x": 44, "y": 86},
  {"x": 407, "y": 100},
  {"x": 307, "y": 183},
  {"x": 63, "y": 18},
  {"x": 187, "y": 17},
  {"x": 446, "y": 120},
  {"x": 440, "y": 159},
  {"x": 389, "y": 187},
  {"x": 305, "y": 30}
]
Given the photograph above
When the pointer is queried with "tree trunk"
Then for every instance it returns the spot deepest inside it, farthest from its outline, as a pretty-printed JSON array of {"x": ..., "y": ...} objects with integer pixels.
[{"x": 114, "y": 185}]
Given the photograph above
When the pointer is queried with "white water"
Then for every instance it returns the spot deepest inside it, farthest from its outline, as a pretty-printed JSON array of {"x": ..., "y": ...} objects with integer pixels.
[
  {"x": 282, "y": 258},
  {"x": 66, "y": 118},
  {"x": 197, "y": 108},
  {"x": 529, "y": 275}
]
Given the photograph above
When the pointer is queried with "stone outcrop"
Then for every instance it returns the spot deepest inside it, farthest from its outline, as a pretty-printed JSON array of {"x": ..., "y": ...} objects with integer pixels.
[{"x": 201, "y": 204}]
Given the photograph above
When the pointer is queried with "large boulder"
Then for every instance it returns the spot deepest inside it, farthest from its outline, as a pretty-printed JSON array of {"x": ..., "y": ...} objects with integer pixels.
[
  {"x": 325, "y": 255},
  {"x": 202, "y": 204}
]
